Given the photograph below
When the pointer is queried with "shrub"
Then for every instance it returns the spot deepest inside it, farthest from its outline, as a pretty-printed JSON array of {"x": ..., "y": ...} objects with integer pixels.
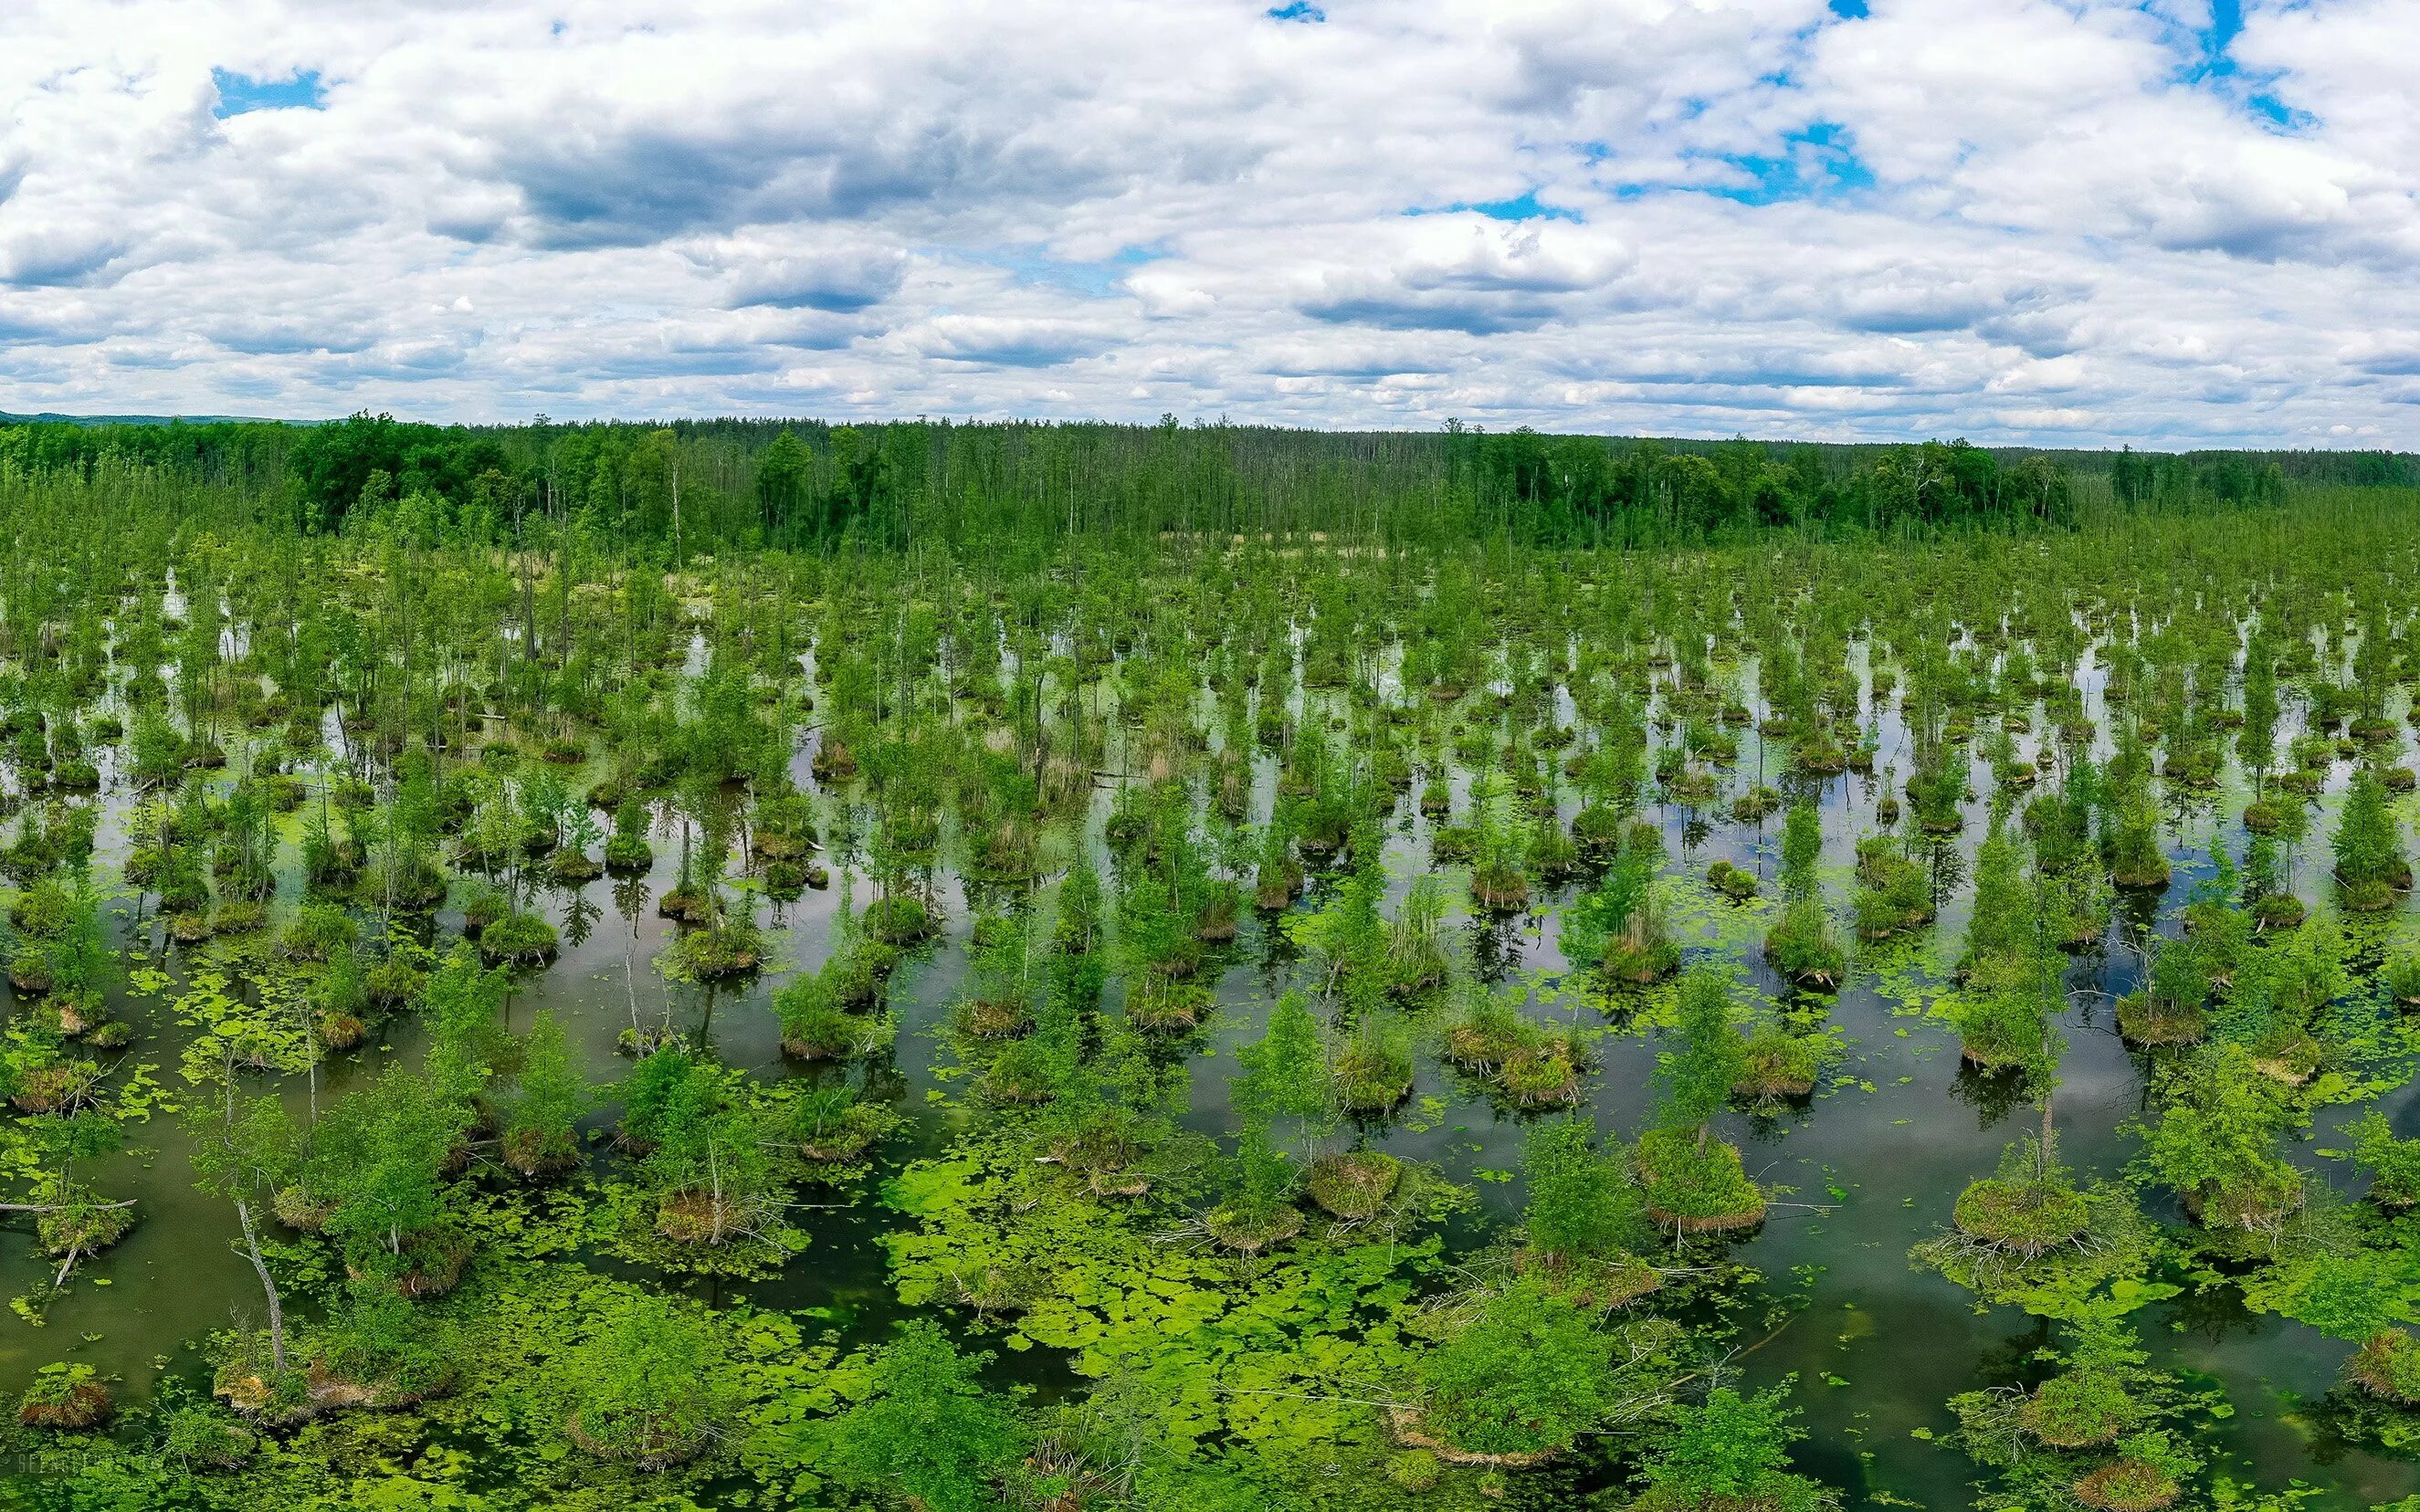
[
  {"x": 927, "y": 1431},
  {"x": 1696, "y": 1186},
  {"x": 1733, "y": 1451},
  {"x": 64, "y": 1398},
  {"x": 1529, "y": 1376},
  {"x": 2387, "y": 1365},
  {"x": 648, "y": 1386}
]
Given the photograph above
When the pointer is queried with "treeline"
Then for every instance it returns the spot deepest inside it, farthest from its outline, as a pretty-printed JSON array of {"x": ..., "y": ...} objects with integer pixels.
[{"x": 688, "y": 487}]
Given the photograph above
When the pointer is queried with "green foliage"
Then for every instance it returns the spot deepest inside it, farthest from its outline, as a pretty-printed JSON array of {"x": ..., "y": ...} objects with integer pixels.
[
  {"x": 1693, "y": 1078},
  {"x": 2393, "y": 1162},
  {"x": 463, "y": 1006},
  {"x": 1801, "y": 847},
  {"x": 2216, "y": 1140},
  {"x": 653, "y": 1386},
  {"x": 243, "y": 1151},
  {"x": 1731, "y": 1450},
  {"x": 1581, "y": 1200},
  {"x": 927, "y": 1428},
  {"x": 1620, "y": 925},
  {"x": 379, "y": 1156},
  {"x": 1529, "y": 1374},
  {"x": 2030, "y": 1208},
  {"x": 378, "y": 1341},
  {"x": 1285, "y": 1072},
  {"x": 549, "y": 1094},
  {"x": 2368, "y": 844},
  {"x": 1232, "y": 1311},
  {"x": 1696, "y": 1184}
]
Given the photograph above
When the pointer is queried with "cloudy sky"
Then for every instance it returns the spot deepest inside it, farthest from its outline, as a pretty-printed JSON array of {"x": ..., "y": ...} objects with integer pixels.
[{"x": 2173, "y": 222}]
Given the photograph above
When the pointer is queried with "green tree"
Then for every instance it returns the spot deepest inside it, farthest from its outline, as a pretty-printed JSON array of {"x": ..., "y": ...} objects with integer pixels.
[
  {"x": 2258, "y": 740},
  {"x": 381, "y": 1152},
  {"x": 1801, "y": 848},
  {"x": 1693, "y": 1078},
  {"x": 2216, "y": 1139},
  {"x": 1531, "y": 1373},
  {"x": 548, "y": 1096},
  {"x": 242, "y": 1153},
  {"x": 651, "y": 1385},
  {"x": 927, "y": 1429},
  {"x": 782, "y": 481},
  {"x": 1733, "y": 1451},
  {"x": 1800, "y": 945},
  {"x": 1581, "y": 1200},
  {"x": 1285, "y": 1071},
  {"x": 2369, "y": 845},
  {"x": 1691, "y": 1180},
  {"x": 463, "y": 1006}
]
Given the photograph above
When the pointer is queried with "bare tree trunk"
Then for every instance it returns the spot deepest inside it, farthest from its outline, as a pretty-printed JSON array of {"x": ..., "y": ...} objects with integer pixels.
[{"x": 276, "y": 1310}]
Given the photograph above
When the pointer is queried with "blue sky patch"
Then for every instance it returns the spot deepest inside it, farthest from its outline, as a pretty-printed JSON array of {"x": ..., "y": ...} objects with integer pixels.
[
  {"x": 1815, "y": 163},
  {"x": 2226, "y": 24},
  {"x": 2206, "y": 47},
  {"x": 2210, "y": 65},
  {"x": 1097, "y": 279},
  {"x": 240, "y": 94},
  {"x": 1521, "y": 206},
  {"x": 1301, "y": 10},
  {"x": 2277, "y": 111}
]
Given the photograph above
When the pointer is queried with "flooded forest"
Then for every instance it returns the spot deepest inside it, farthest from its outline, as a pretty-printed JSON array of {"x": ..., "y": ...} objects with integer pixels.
[{"x": 1191, "y": 969}]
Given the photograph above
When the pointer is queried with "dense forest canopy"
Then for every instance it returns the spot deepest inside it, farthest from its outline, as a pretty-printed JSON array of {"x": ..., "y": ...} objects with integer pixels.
[{"x": 690, "y": 486}]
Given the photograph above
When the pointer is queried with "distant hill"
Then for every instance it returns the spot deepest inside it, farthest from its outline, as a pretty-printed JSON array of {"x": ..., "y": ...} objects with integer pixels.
[{"x": 8, "y": 419}]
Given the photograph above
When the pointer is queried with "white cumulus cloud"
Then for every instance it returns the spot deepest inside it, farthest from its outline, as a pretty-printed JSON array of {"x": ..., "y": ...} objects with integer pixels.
[{"x": 2057, "y": 222}]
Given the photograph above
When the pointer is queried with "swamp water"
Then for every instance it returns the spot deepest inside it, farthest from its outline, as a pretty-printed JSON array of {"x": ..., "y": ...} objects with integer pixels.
[{"x": 1872, "y": 1160}]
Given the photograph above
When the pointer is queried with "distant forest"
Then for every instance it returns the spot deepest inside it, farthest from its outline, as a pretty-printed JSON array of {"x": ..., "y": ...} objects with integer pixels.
[{"x": 686, "y": 487}]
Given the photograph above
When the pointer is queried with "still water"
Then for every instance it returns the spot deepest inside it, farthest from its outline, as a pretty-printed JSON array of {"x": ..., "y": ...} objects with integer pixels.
[{"x": 1871, "y": 1162}]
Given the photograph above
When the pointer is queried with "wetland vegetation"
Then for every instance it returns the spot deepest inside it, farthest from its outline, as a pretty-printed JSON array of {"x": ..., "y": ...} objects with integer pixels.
[{"x": 1186, "y": 967}]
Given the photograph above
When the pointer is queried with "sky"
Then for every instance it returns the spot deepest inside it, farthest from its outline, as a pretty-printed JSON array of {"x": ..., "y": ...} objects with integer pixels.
[{"x": 2162, "y": 223}]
